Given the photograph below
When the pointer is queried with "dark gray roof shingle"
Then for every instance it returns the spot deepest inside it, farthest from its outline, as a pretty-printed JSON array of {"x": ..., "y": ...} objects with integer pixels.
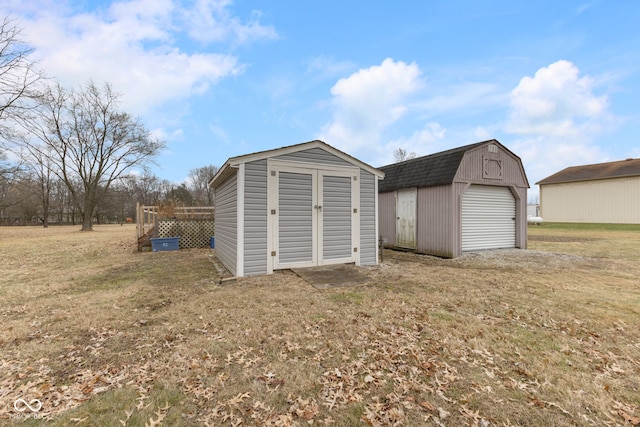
[
  {"x": 618, "y": 169},
  {"x": 427, "y": 171}
]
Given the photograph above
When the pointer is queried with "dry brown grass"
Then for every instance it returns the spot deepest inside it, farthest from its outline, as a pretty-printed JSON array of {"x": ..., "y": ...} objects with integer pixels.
[{"x": 103, "y": 335}]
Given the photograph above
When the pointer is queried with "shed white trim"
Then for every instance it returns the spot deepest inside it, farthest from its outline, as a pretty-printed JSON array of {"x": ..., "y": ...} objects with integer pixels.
[
  {"x": 233, "y": 162},
  {"x": 306, "y": 207}
]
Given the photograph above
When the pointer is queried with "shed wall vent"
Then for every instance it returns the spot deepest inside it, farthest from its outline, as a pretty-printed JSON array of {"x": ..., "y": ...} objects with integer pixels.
[{"x": 492, "y": 148}]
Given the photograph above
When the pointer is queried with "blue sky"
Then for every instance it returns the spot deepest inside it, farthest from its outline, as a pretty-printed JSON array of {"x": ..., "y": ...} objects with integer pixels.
[{"x": 557, "y": 82}]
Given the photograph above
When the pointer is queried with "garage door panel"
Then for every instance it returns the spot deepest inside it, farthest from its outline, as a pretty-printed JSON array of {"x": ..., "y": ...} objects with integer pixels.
[{"x": 488, "y": 218}]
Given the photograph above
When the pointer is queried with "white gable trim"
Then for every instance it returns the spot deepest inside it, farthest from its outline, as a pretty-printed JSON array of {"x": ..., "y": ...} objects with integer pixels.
[{"x": 234, "y": 162}]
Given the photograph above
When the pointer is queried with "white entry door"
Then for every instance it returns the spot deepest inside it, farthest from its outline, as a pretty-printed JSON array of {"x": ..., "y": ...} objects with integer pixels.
[
  {"x": 315, "y": 218},
  {"x": 406, "y": 218}
]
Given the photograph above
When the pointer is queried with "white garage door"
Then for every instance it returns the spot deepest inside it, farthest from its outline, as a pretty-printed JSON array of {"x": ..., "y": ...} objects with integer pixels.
[{"x": 488, "y": 218}]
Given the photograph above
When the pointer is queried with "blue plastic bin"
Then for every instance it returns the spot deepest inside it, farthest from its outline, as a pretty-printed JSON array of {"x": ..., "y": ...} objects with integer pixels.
[
  {"x": 165, "y": 244},
  {"x": 212, "y": 242}
]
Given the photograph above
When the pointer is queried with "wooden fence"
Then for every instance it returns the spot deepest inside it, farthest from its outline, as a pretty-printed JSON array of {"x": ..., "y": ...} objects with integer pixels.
[{"x": 194, "y": 225}]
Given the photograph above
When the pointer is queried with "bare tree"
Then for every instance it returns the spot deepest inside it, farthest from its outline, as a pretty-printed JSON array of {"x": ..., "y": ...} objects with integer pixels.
[
  {"x": 88, "y": 140},
  {"x": 17, "y": 79},
  {"x": 40, "y": 170},
  {"x": 400, "y": 155},
  {"x": 199, "y": 182},
  {"x": 18, "y": 76}
]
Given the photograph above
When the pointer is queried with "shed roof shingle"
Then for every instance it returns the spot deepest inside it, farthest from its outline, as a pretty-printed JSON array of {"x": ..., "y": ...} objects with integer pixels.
[
  {"x": 427, "y": 171},
  {"x": 618, "y": 169}
]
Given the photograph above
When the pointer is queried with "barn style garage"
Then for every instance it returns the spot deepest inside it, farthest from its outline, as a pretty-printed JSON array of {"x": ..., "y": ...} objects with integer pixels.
[
  {"x": 465, "y": 199},
  {"x": 303, "y": 205}
]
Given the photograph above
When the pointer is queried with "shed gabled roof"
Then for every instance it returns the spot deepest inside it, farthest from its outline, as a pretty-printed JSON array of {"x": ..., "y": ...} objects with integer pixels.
[
  {"x": 428, "y": 171},
  {"x": 233, "y": 162},
  {"x": 618, "y": 169}
]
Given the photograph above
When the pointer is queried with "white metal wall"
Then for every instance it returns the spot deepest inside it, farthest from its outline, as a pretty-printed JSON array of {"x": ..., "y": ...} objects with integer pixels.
[{"x": 488, "y": 218}]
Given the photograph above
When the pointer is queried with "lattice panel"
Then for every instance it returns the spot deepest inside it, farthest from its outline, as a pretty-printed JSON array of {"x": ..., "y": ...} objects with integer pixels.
[{"x": 193, "y": 233}]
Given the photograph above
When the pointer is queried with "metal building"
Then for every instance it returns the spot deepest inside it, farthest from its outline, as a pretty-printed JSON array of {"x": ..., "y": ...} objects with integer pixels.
[
  {"x": 465, "y": 199},
  {"x": 298, "y": 206},
  {"x": 599, "y": 193}
]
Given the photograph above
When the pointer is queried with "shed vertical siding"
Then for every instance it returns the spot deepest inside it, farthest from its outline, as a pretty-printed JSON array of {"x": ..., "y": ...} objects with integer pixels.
[
  {"x": 436, "y": 216},
  {"x": 614, "y": 200},
  {"x": 295, "y": 217},
  {"x": 255, "y": 218},
  {"x": 226, "y": 226},
  {"x": 368, "y": 238},
  {"x": 387, "y": 217},
  {"x": 472, "y": 168},
  {"x": 336, "y": 217},
  {"x": 522, "y": 228}
]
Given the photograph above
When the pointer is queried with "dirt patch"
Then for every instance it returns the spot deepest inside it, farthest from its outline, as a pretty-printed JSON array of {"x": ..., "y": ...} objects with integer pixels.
[
  {"x": 515, "y": 259},
  {"x": 332, "y": 276}
]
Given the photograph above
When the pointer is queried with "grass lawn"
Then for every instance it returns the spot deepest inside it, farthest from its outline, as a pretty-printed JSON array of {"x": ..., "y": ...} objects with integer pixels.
[{"x": 103, "y": 335}]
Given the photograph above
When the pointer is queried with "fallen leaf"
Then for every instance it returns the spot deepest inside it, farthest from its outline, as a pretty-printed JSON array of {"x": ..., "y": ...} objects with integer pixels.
[{"x": 629, "y": 418}]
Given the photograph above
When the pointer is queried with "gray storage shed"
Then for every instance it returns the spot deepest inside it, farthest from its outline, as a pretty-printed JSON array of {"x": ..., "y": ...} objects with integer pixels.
[
  {"x": 298, "y": 206},
  {"x": 465, "y": 199}
]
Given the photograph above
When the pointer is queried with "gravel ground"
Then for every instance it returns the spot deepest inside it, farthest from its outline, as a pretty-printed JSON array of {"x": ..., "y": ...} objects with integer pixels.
[{"x": 505, "y": 258}]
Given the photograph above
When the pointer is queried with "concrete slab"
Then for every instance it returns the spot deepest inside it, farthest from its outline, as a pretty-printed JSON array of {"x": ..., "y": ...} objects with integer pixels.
[{"x": 332, "y": 276}]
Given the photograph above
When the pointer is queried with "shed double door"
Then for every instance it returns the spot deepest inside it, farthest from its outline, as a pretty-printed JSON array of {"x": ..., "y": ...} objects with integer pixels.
[{"x": 315, "y": 218}]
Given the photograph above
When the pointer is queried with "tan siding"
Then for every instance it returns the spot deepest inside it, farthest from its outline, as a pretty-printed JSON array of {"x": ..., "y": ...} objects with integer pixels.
[
  {"x": 458, "y": 191},
  {"x": 614, "y": 200},
  {"x": 521, "y": 213},
  {"x": 387, "y": 217},
  {"x": 435, "y": 221}
]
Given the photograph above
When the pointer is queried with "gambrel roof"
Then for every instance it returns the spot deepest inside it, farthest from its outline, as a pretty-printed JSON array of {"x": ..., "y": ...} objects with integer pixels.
[
  {"x": 618, "y": 169},
  {"x": 427, "y": 171}
]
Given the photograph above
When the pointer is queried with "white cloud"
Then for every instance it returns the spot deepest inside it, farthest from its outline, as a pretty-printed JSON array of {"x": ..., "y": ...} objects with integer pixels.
[
  {"x": 555, "y": 118},
  {"x": 556, "y": 101},
  {"x": 462, "y": 98},
  {"x": 481, "y": 133},
  {"x": 368, "y": 102},
  {"x": 326, "y": 67},
  {"x": 543, "y": 156},
  {"x": 422, "y": 142},
  {"x": 134, "y": 45},
  {"x": 211, "y": 21}
]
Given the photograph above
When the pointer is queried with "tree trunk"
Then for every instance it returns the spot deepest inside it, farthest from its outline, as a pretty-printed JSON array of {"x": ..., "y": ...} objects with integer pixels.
[{"x": 87, "y": 223}]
